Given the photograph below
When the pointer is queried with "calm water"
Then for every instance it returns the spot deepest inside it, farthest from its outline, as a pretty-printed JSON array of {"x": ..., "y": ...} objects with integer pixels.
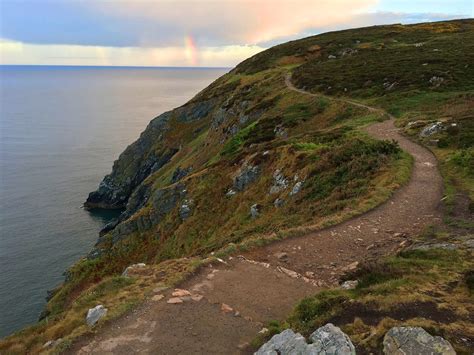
[{"x": 60, "y": 129}]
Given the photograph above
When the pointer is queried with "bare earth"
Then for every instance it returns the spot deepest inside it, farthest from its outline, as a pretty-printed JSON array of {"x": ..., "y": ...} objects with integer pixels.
[{"x": 263, "y": 284}]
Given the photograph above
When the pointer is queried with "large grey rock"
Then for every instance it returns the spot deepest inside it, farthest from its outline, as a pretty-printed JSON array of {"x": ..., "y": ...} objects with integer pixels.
[
  {"x": 414, "y": 340},
  {"x": 94, "y": 314},
  {"x": 331, "y": 340},
  {"x": 327, "y": 340},
  {"x": 246, "y": 175},
  {"x": 286, "y": 343}
]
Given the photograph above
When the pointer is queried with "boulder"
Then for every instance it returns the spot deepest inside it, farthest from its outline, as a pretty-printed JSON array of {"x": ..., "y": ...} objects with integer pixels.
[
  {"x": 94, "y": 314},
  {"x": 414, "y": 340},
  {"x": 285, "y": 343},
  {"x": 330, "y": 339}
]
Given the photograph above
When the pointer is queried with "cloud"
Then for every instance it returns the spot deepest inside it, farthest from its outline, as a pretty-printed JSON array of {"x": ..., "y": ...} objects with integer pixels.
[
  {"x": 182, "y": 32},
  {"x": 152, "y": 23},
  {"x": 234, "y": 21},
  {"x": 13, "y": 52}
]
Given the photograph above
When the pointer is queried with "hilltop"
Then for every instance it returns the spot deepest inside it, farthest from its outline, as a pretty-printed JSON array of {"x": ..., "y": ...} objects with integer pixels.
[{"x": 296, "y": 139}]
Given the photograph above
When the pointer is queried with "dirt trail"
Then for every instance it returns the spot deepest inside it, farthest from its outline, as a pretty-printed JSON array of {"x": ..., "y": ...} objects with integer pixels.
[{"x": 265, "y": 283}]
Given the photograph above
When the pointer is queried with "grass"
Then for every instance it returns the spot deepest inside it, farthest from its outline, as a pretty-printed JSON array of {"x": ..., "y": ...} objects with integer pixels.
[{"x": 431, "y": 288}]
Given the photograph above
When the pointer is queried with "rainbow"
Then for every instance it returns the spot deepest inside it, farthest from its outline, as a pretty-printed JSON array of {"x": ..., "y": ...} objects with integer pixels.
[{"x": 190, "y": 50}]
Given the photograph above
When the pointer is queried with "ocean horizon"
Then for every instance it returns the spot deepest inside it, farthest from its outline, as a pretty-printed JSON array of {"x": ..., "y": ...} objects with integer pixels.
[{"x": 61, "y": 129}]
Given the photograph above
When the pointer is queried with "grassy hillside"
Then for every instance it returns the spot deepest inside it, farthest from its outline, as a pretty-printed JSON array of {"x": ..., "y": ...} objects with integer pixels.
[{"x": 248, "y": 158}]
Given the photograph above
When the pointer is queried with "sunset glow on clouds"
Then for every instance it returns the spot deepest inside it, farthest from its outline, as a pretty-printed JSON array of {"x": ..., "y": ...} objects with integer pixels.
[{"x": 186, "y": 32}]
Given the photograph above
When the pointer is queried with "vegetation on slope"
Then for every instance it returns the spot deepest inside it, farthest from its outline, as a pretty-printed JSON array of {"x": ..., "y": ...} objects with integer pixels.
[{"x": 228, "y": 148}]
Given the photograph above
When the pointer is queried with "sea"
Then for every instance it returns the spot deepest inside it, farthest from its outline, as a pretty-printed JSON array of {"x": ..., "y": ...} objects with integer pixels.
[{"x": 61, "y": 128}]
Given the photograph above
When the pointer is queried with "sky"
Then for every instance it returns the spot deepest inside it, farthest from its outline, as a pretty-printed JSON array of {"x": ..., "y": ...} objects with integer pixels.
[{"x": 205, "y": 33}]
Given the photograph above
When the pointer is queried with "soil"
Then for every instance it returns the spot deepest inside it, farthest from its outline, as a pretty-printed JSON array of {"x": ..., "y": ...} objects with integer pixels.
[{"x": 262, "y": 285}]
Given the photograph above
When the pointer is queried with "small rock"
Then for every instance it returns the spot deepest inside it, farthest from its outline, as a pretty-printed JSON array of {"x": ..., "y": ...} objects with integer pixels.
[
  {"x": 197, "y": 298},
  {"x": 309, "y": 274},
  {"x": 414, "y": 340},
  {"x": 157, "y": 298},
  {"x": 226, "y": 308},
  {"x": 281, "y": 256},
  {"x": 175, "y": 300},
  {"x": 399, "y": 235},
  {"x": 230, "y": 192},
  {"x": 237, "y": 314},
  {"x": 243, "y": 346},
  {"x": 278, "y": 202},
  {"x": 297, "y": 188},
  {"x": 351, "y": 266},
  {"x": 185, "y": 210},
  {"x": 331, "y": 56},
  {"x": 436, "y": 81},
  {"x": 180, "y": 293},
  {"x": 263, "y": 331},
  {"x": 132, "y": 268},
  {"x": 94, "y": 314},
  {"x": 349, "y": 285},
  {"x": 160, "y": 289},
  {"x": 254, "y": 211},
  {"x": 290, "y": 273},
  {"x": 371, "y": 246}
]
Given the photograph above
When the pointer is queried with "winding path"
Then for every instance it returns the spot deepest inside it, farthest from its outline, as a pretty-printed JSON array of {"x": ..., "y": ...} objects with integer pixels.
[{"x": 264, "y": 284}]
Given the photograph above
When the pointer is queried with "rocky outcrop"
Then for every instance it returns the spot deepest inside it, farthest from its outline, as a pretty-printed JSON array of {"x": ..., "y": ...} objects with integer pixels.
[
  {"x": 246, "y": 175},
  {"x": 161, "y": 201},
  {"x": 136, "y": 163},
  {"x": 414, "y": 340},
  {"x": 431, "y": 129},
  {"x": 326, "y": 340},
  {"x": 94, "y": 314},
  {"x": 144, "y": 157}
]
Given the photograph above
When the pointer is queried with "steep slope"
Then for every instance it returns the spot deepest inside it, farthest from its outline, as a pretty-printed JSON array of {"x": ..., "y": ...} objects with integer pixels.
[{"x": 250, "y": 159}]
